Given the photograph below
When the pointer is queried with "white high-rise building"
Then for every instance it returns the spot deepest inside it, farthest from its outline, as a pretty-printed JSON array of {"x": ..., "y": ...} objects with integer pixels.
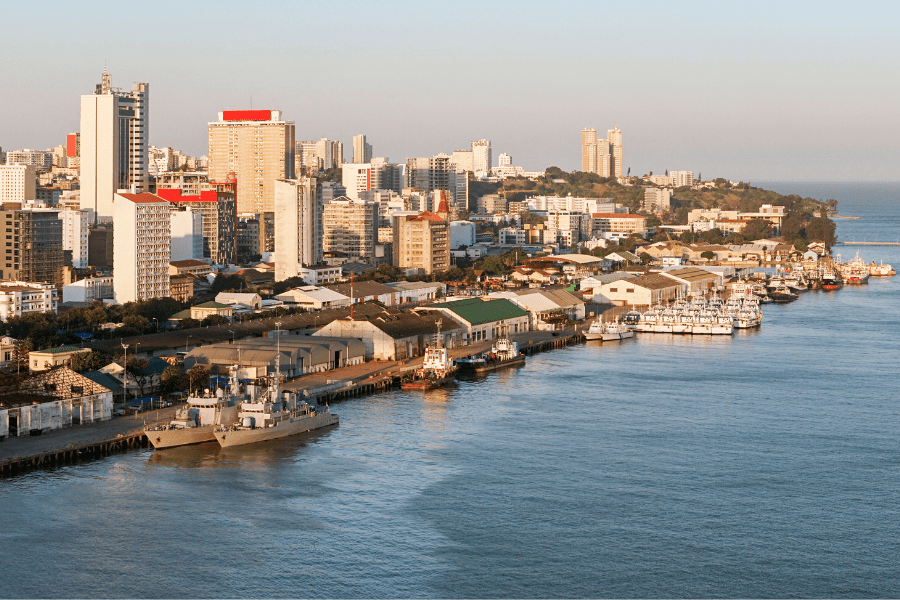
[
  {"x": 141, "y": 247},
  {"x": 682, "y": 178},
  {"x": 298, "y": 226},
  {"x": 325, "y": 152},
  {"x": 362, "y": 152},
  {"x": 18, "y": 183},
  {"x": 481, "y": 157},
  {"x": 186, "y": 234},
  {"x": 504, "y": 160},
  {"x": 615, "y": 146},
  {"x": 114, "y": 149},
  {"x": 356, "y": 178},
  {"x": 76, "y": 227}
]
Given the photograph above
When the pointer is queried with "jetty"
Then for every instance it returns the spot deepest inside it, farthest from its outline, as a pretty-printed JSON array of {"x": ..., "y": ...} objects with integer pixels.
[
  {"x": 867, "y": 244},
  {"x": 87, "y": 442}
]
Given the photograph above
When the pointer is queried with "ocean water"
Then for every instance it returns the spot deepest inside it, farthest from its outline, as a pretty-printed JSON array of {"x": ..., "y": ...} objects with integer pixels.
[{"x": 764, "y": 464}]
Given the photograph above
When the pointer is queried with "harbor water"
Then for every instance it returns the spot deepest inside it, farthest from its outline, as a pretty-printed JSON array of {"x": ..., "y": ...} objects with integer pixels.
[{"x": 761, "y": 464}]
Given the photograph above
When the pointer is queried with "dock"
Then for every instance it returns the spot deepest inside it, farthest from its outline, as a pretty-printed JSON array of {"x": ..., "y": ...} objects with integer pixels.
[
  {"x": 87, "y": 442},
  {"x": 867, "y": 243}
]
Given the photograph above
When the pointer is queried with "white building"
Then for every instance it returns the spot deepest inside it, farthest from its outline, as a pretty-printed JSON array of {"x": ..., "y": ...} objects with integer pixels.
[
  {"x": 542, "y": 204},
  {"x": 321, "y": 274},
  {"x": 513, "y": 236},
  {"x": 19, "y": 298},
  {"x": 141, "y": 247},
  {"x": 18, "y": 183},
  {"x": 313, "y": 298},
  {"x": 481, "y": 157},
  {"x": 362, "y": 152},
  {"x": 298, "y": 226},
  {"x": 110, "y": 118},
  {"x": 567, "y": 227},
  {"x": 41, "y": 160},
  {"x": 186, "y": 234},
  {"x": 76, "y": 226},
  {"x": 656, "y": 200},
  {"x": 462, "y": 233},
  {"x": 682, "y": 178},
  {"x": 356, "y": 178},
  {"x": 89, "y": 290},
  {"x": 463, "y": 160}
]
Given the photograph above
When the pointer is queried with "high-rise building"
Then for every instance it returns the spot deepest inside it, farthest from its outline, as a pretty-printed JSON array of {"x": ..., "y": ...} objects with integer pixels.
[
  {"x": 42, "y": 160},
  {"x": 18, "y": 183},
  {"x": 438, "y": 173},
  {"x": 76, "y": 227},
  {"x": 481, "y": 157},
  {"x": 349, "y": 228},
  {"x": 186, "y": 229},
  {"x": 35, "y": 246},
  {"x": 298, "y": 226},
  {"x": 114, "y": 133},
  {"x": 73, "y": 147},
  {"x": 325, "y": 152},
  {"x": 337, "y": 155},
  {"x": 615, "y": 146},
  {"x": 362, "y": 152},
  {"x": 682, "y": 178},
  {"x": 421, "y": 242},
  {"x": 100, "y": 246},
  {"x": 216, "y": 203},
  {"x": 258, "y": 147},
  {"x": 589, "y": 150},
  {"x": 141, "y": 247},
  {"x": 306, "y": 160},
  {"x": 462, "y": 160},
  {"x": 656, "y": 200}
]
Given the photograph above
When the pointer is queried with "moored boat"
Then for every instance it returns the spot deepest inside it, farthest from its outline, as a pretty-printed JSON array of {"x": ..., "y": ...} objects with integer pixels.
[{"x": 504, "y": 353}]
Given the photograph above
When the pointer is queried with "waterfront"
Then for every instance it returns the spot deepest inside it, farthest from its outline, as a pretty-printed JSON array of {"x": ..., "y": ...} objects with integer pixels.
[{"x": 761, "y": 464}]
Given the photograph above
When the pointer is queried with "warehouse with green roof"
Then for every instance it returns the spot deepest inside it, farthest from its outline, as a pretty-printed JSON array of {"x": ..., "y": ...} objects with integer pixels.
[{"x": 484, "y": 319}]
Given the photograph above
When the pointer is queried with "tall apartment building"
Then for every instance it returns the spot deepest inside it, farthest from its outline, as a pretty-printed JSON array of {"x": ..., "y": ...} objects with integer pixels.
[
  {"x": 567, "y": 228},
  {"x": 215, "y": 201},
  {"x": 258, "y": 147},
  {"x": 656, "y": 200},
  {"x": 481, "y": 157},
  {"x": 18, "y": 183},
  {"x": 377, "y": 174},
  {"x": 337, "y": 154},
  {"x": 589, "y": 150},
  {"x": 76, "y": 228},
  {"x": 250, "y": 241},
  {"x": 306, "y": 159},
  {"x": 34, "y": 247},
  {"x": 463, "y": 160},
  {"x": 141, "y": 247},
  {"x": 601, "y": 156},
  {"x": 422, "y": 242},
  {"x": 362, "y": 152},
  {"x": 682, "y": 178},
  {"x": 349, "y": 228},
  {"x": 438, "y": 173},
  {"x": 100, "y": 246},
  {"x": 73, "y": 150},
  {"x": 615, "y": 146},
  {"x": 298, "y": 226},
  {"x": 114, "y": 149},
  {"x": 325, "y": 152},
  {"x": 186, "y": 229},
  {"x": 41, "y": 160}
]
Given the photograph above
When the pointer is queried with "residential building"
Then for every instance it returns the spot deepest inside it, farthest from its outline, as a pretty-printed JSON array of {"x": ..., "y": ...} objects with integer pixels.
[
  {"x": 18, "y": 183},
  {"x": 656, "y": 200},
  {"x": 91, "y": 289},
  {"x": 250, "y": 241},
  {"x": 462, "y": 233},
  {"x": 100, "y": 246},
  {"x": 567, "y": 228},
  {"x": 325, "y": 152},
  {"x": 298, "y": 226},
  {"x": 211, "y": 309},
  {"x": 615, "y": 147},
  {"x": 258, "y": 147},
  {"x": 513, "y": 236},
  {"x": 349, "y": 228},
  {"x": 115, "y": 127},
  {"x": 481, "y": 157},
  {"x": 596, "y": 156},
  {"x": 141, "y": 247},
  {"x": 541, "y": 204},
  {"x": 306, "y": 160},
  {"x": 321, "y": 274},
  {"x": 422, "y": 242},
  {"x": 41, "y": 160},
  {"x": 362, "y": 151},
  {"x": 682, "y": 178},
  {"x": 34, "y": 245},
  {"x": 195, "y": 267},
  {"x": 216, "y": 203},
  {"x": 463, "y": 160},
  {"x": 76, "y": 228},
  {"x": 44, "y": 360},
  {"x": 491, "y": 204},
  {"x": 19, "y": 298},
  {"x": 437, "y": 173},
  {"x": 609, "y": 225},
  {"x": 181, "y": 287},
  {"x": 189, "y": 182}
]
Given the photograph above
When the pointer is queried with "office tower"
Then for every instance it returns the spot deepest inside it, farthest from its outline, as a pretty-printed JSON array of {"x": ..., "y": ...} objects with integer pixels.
[
  {"x": 114, "y": 134},
  {"x": 298, "y": 224},
  {"x": 100, "y": 246},
  {"x": 141, "y": 247},
  {"x": 258, "y": 147},
  {"x": 325, "y": 152},
  {"x": 615, "y": 145},
  {"x": 18, "y": 183},
  {"x": 481, "y": 157},
  {"x": 362, "y": 152},
  {"x": 34, "y": 252},
  {"x": 421, "y": 242},
  {"x": 215, "y": 201},
  {"x": 349, "y": 228}
]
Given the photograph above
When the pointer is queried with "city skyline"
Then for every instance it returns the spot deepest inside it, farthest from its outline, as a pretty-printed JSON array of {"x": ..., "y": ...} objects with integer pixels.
[{"x": 702, "y": 87}]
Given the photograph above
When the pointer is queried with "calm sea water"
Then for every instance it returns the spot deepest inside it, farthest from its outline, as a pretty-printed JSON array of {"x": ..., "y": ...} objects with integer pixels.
[{"x": 765, "y": 464}]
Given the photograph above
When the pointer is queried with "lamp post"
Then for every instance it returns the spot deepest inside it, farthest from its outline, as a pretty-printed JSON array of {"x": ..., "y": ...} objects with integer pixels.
[
  {"x": 232, "y": 336},
  {"x": 278, "y": 351},
  {"x": 186, "y": 343},
  {"x": 125, "y": 375},
  {"x": 157, "y": 324}
]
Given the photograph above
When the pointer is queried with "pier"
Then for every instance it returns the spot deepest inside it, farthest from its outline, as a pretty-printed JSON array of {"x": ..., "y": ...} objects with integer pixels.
[
  {"x": 867, "y": 243},
  {"x": 91, "y": 441}
]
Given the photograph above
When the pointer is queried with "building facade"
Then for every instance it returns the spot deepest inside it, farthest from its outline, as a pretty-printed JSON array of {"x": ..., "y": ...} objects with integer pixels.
[
  {"x": 216, "y": 202},
  {"x": 258, "y": 147},
  {"x": 298, "y": 226},
  {"x": 18, "y": 183},
  {"x": 349, "y": 228},
  {"x": 19, "y": 298},
  {"x": 141, "y": 247},
  {"x": 422, "y": 242},
  {"x": 362, "y": 151}
]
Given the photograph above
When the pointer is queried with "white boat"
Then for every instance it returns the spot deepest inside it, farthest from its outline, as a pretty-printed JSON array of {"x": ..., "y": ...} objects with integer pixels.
[
  {"x": 608, "y": 331},
  {"x": 196, "y": 422}
]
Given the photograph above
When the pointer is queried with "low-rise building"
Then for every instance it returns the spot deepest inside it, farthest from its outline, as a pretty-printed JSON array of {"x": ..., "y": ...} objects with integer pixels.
[
  {"x": 43, "y": 360},
  {"x": 484, "y": 319},
  {"x": 210, "y": 309},
  {"x": 189, "y": 266},
  {"x": 418, "y": 291},
  {"x": 311, "y": 297},
  {"x": 19, "y": 298},
  {"x": 607, "y": 225},
  {"x": 698, "y": 281},
  {"x": 366, "y": 291},
  {"x": 321, "y": 274},
  {"x": 642, "y": 291},
  {"x": 91, "y": 289},
  {"x": 549, "y": 309},
  {"x": 253, "y": 300}
]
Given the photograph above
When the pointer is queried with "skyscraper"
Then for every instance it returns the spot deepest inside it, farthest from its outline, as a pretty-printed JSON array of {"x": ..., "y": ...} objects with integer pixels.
[
  {"x": 481, "y": 157},
  {"x": 615, "y": 146},
  {"x": 603, "y": 157},
  {"x": 298, "y": 226},
  {"x": 114, "y": 132},
  {"x": 362, "y": 152},
  {"x": 258, "y": 147},
  {"x": 141, "y": 247},
  {"x": 589, "y": 150}
]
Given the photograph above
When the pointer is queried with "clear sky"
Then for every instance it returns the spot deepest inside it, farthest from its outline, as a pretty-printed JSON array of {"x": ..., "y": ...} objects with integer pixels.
[{"x": 764, "y": 90}]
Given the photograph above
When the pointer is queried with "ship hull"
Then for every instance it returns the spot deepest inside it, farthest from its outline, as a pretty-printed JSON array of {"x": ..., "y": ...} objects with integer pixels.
[
  {"x": 491, "y": 366},
  {"x": 170, "y": 438},
  {"x": 240, "y": 436},
  {"x": 425, "y": 384}
]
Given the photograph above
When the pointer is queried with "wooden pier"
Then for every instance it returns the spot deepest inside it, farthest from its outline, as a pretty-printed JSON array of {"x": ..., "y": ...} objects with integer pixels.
[{"x": 65, "y": 456}]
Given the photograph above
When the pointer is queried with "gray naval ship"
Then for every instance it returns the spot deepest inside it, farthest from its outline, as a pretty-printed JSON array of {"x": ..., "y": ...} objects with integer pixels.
[
  {"x": 196, "y": 422},
  {"x": 272, "y": 414}
]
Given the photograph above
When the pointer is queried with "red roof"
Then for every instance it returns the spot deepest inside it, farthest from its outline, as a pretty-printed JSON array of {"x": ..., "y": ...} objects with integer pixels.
[
  {"x": 427, "y": 216},
  {"x": 617, "y": 216},
  {"x": 142, "y": 198}
]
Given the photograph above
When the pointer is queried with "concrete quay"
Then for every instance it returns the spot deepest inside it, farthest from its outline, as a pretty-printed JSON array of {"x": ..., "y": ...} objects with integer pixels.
[{"x": 85, "y": 442}]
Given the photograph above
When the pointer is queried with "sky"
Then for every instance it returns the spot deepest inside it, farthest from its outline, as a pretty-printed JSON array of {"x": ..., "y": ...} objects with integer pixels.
[{"x": 762, "y": 91}]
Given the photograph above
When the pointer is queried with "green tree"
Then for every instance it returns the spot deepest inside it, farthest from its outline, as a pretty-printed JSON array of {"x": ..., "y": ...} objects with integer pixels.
[
  {"x": 708, "y": 255},
  {"x": 198, "y": 377},
  {"x": 173, "y": 379},
  {"x": 83, "y": 362},
  {"x": 821, "y": 230},
  {"x": 213, "y": 320},
  {"x": 757, "y": 229}
]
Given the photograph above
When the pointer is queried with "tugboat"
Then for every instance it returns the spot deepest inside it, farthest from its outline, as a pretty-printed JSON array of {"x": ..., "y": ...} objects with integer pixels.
[
  {"x": 196, "y": 422},
  {"x": 504, "y": 353},
  {"x": 437, "y": 369}
]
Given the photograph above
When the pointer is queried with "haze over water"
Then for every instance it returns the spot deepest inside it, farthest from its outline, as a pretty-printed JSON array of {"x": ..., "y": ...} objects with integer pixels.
[{"x": 764, "y": 464}]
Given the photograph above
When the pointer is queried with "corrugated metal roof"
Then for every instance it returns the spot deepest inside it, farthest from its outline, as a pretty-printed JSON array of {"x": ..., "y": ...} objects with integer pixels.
[{"x": 477, "y": 311}]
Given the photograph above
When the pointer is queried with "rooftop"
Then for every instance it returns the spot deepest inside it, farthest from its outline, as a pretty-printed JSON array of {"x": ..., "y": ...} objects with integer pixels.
[{"x": 477, "y": 311}]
